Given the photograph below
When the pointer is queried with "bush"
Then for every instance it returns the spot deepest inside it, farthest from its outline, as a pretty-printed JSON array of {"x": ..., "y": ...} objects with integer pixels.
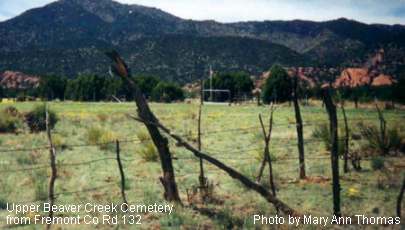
[
  {"x": 8, "y": 123},
  {"x": 36, "y": 119},
  {"x": 167, "y": 92},
  {"x": 149, "y": 152},
  {"x": 322, "y": 132},
  {"x": 13, "y": 111},
  {"x": 102, "y": 137},
  {"x": 377, "y": 163},
  {"x": 392, "y": 140},
  {"x": 143, "y": 136}
]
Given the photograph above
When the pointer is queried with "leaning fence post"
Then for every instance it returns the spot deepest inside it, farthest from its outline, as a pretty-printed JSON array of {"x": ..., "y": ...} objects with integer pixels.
[
  {"x": 124, "y": 197},
  {"x": 52, "y": 156},
  {"x": 331, "y": 109},
  {"x": 266, "y": 156},
  {"x": 299, "y": 126},
  {"x": 346, "y": 153}
]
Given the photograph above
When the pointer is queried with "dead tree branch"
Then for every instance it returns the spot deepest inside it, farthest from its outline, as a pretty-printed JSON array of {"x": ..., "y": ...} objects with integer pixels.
[
  {"x": 168, "y": 179},
  {"x": 230, "y": 171}
]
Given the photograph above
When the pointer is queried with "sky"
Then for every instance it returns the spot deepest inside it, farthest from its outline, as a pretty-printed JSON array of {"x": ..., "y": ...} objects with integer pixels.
[{"x": 369, "y": 11}]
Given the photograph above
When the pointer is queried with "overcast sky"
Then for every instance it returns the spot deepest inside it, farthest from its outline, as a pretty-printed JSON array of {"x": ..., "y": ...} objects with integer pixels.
[{"x": 370, "y": 11}]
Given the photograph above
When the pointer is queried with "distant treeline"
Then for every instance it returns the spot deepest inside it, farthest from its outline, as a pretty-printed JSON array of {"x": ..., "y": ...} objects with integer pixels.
[
  {"x": 98, "y": 88},
  {"x": 276, "y": 88}
]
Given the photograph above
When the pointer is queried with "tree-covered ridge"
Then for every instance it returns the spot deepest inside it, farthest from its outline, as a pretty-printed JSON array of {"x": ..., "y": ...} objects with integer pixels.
[{"x": 68, "y": 37}]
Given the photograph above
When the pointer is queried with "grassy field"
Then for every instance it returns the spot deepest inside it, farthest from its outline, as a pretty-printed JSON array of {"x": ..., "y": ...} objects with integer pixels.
[{"x": 231, "y": 133}]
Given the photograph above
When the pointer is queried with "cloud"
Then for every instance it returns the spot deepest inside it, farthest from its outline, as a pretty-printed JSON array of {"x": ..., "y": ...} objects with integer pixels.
[{"x": 370, "y": 11}]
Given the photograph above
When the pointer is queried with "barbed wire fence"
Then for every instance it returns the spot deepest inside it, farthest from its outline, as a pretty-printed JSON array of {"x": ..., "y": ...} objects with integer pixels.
[{"x": 229, "y": 154}]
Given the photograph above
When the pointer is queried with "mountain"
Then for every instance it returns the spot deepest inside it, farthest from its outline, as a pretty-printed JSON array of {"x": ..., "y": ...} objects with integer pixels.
[{"x": 68, "y": 37}]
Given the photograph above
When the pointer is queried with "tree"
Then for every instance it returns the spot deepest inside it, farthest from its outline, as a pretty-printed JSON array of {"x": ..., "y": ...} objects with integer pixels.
[
  {"x": 238, "y": 83},
  {"x": 167, "y": 92},
  {"x": 399, "y": 89},
  {"x": 52, "y": 87},
  {"x": 277, "y": 87}
]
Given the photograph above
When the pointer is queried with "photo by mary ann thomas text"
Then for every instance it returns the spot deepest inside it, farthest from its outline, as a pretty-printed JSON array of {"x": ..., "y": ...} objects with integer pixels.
[
  {"x": 85, "y": 213},
  {"x": 358, "y": 219}
]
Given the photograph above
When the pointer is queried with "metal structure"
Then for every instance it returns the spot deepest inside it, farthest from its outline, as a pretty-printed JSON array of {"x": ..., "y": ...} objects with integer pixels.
[{"x": 211, "y": 91}]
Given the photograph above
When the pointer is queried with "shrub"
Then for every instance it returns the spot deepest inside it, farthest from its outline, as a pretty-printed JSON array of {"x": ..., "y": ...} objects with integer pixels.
[
  {"x": 392, "y": 140},
  {"x": 377, "y": 163},
  {"x": 59, "y": 142},
  {"x": 94, "y": 135},
  {"x": 8, "y": 123},
  {"x": 13, "y": 111},
  {"x": 143, "y": 136},
  {"x": 99, "y": 136},
  {"x": 149, "y": 152},
  {"x": 36, "y": 119},
  {"x": 322, "y": 132}
]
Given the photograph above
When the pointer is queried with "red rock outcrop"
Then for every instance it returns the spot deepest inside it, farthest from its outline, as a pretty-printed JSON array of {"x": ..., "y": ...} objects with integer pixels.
[
  {"x": 355, "y": 77},
  {"x": 18, "y": 80}
]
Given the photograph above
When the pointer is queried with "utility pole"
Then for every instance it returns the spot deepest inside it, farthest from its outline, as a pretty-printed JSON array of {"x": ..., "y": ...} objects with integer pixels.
[{"x": 211, "y": 73}]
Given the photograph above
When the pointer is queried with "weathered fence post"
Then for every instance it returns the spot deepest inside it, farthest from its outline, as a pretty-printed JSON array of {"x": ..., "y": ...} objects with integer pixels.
[
  {"x": 201, "y": 177},
  {"x": 298, "y": 121},
  {"x": 383, "y": 128},
  {"x": 266, "y": 153},
  {"x": 331, "y": 109},
  {"x": 400, "y": 198},
  {"x": 52, "y": 156},
  {"x": 346, "y": 152},
  {"x": 124, "y": 197},
  {"x": 168, "y": 179}
]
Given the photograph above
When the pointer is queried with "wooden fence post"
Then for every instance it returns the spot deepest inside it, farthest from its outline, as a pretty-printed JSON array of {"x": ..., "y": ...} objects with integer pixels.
[
  {"x": 383, "y": 131},
  {"x": 400, "y": 198},
  {"x": 300, "y": 135},
  {"x": 201, "y": 178},
  {"x": 52, "y": 156},
  {"x": 124, "y": 197},
  {"x": 168, "y": 179},
  {"x": 331, "y": 109},
  {"x": 266, "y": 153},
  {"x": 346, "y": 152}
]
